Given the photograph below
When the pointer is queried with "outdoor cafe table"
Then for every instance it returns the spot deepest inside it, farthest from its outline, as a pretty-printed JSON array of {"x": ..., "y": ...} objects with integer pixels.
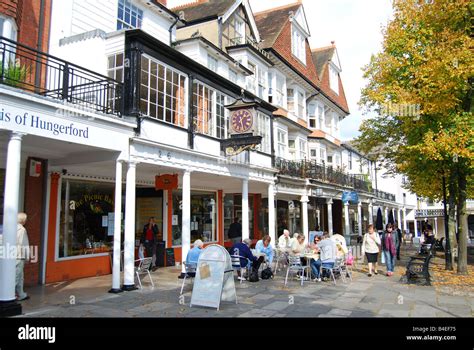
[{"x": 308, "y": 257}]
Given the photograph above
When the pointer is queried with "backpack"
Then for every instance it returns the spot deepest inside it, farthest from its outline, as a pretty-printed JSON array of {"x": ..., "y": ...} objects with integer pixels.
[
  {"x": 253, "y": 275},
  {"x": 267, "y": 273}
]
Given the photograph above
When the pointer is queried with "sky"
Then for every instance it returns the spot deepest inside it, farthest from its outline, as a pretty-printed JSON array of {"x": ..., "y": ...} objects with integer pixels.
[{"x": 355, "y": 26}]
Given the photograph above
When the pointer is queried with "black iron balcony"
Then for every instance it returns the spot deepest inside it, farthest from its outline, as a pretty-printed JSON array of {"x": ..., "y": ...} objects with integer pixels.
[
  {"x": 384, "y": 195},
  {"x": 320, "y": 172},
  {"x": 34, "y": 71}
]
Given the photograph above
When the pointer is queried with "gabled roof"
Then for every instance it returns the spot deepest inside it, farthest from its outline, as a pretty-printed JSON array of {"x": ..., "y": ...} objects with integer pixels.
[
  {"x": 321, "y": 58},
  {"x": 271, "y": 22},
  {"x": 204, "y": 9}
]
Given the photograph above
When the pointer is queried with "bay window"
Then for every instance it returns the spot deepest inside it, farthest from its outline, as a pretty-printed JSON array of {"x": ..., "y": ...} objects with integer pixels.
[
  {"x": 298, "y": 44},
  {"x": 263, "y": 129},
  {"x": 129, "y": 16},
  {"x": 291, "y": 100},
  {"x": 281, "y": 141},
  {"x": 303, "y": 152},
  {"x": 162, "y": 92}
]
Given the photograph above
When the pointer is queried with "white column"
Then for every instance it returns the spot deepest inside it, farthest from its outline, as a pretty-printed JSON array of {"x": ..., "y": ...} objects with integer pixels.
[
  {"x": 329, "y": 204},
  {"x": 271, "y": 213},
  {"x": 245, "y": 209},
  {"x": 129, "y": 247},
  {"x": 399, "y": 215},
  {"x": 415, "y": 225},
  {"x": 359, "y": 218},
  {"x": 386, "y": 216},
  {"x": 346, "y": 219},
  {"x": 10, "y": 214},
  {"x": 304, "y": 209},
  {"x": 117, "y": 228},
  {"x": 371, "y": 212},
  {"x": 405, "y": 225},
  {"x": 435, "y": 228},
  {"x": 186, "y": 217}
]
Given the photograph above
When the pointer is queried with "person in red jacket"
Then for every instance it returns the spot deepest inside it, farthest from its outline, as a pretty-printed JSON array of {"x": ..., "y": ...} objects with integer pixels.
[{"x": 148, "y": 238}]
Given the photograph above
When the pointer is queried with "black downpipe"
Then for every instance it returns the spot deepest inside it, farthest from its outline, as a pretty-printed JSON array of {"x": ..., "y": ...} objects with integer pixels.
[
  {"x": 39, "y": 44},
  {"x": 190, "y": 112}
]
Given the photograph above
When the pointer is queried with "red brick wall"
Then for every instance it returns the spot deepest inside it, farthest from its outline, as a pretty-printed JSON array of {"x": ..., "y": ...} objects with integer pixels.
[
  {"x": 34, "y": 192},
  {"x": 283, "y": 47},
  {"x": 9, "y": 8},
  {"x": 28, "y": 24}
]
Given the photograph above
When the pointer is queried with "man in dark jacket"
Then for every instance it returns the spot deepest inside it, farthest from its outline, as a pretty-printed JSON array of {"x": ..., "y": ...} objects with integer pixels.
[
  {"x": 399, "y": 236},
  {"x": 148, "y": 238},
  {"x": 235, "y": 231},
  {"x": 243, "y": 249}
]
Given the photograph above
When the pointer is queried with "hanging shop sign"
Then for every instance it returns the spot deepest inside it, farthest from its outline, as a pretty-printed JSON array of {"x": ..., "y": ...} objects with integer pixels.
[
  {"x": 166, "y": 182},
  {"x": 350, "y": 197}
]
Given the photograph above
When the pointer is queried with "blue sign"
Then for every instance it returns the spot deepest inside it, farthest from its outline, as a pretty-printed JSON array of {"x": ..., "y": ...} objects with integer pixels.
[{"x": 351, "y": 197}]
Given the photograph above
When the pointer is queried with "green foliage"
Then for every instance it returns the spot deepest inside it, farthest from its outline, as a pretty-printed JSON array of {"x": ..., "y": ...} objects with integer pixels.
[{"x": 14, "y": 74}]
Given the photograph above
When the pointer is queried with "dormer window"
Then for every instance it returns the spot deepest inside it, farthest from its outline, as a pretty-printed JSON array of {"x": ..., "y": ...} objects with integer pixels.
[
  {"x": 129, "y": 16},
  {"x": 334, "y": 79},
  {"x": 298, "y": 42}
]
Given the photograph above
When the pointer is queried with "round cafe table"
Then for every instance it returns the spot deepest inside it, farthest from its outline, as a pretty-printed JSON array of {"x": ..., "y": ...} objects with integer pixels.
[{"x": 308, "y": 257}]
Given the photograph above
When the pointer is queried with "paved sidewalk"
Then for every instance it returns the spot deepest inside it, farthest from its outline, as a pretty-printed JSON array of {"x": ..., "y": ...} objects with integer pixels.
[{"x": 376, "y": 296}]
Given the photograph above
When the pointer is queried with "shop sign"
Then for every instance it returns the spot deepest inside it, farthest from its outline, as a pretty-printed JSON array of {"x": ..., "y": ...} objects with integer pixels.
[
  {"x": 166, "y": 182},
  {"x": 350, "y": 197}
]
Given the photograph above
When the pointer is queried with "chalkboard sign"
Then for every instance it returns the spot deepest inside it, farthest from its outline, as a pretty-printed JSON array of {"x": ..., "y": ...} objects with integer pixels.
[{"x": 170, "y": 257}]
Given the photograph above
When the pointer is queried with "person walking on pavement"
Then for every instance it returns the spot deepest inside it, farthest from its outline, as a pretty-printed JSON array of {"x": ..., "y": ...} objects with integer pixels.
[
  {"x": 370, "y": 248},
  {"x": 389, "y": 248}
]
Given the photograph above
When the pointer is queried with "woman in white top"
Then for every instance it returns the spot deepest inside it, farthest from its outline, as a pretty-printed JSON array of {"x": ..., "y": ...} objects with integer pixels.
[
  {"x": 370, "y": 247},
  {"x": 298, "y": 246}
]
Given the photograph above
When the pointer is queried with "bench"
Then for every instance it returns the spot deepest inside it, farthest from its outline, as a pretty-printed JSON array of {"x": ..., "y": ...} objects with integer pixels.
[{"x": 418, "y": 268}]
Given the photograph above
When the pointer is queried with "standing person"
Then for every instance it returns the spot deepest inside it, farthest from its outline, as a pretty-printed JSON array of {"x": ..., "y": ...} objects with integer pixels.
[
  {"x": 399, "y": 236},
  {"x": 389, "y": 248},
  {"x": 148, "y": 238},
  {"x": 235, "y": 231},
  {"x": 23, "y": 253},
  {"x": 370, "y": 248}
]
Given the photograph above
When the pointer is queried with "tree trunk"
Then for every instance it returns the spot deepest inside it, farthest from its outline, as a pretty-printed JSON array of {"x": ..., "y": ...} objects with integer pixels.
[
  {"x": 452, "y": 220},
  {"x": 462, "y": 226}
]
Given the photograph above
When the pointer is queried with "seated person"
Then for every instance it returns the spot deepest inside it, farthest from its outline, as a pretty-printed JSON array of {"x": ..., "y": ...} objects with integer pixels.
[
  {"x": 429, "y": 240},
  {"x": 264, "y": 246},
  {"x": 313, "y": 246},
  {"x": 285, "y": 241},
  {"x": 298, "y": 246},
  {"x": 243, "y": 249},
  {"x": 328, "y": 252},
  {"x": 193, "y": 254}
]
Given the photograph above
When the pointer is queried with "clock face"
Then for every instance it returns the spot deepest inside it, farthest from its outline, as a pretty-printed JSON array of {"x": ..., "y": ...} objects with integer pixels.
[{"x": 241, "y": 120}]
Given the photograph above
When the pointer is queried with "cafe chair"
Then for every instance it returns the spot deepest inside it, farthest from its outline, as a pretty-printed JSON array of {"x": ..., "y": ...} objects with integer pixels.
[
  {"x": 190, "y": 272},
  {"x": 295, "y": 266},
  {"x": 143, "y": 268},
  {"x": 236, "y": 266}
]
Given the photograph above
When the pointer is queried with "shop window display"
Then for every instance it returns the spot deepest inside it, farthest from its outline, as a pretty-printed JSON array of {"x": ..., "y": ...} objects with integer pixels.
[
  {"x": 87, "y": 218},
  {"x": 203, "y": 223}
]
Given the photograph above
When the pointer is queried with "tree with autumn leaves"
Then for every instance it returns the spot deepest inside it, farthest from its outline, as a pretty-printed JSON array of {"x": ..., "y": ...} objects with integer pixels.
[{"x": 420, "y": 87}]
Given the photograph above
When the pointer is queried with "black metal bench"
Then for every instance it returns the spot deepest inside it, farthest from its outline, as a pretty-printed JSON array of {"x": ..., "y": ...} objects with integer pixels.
[{"x": 418, "y": 269}]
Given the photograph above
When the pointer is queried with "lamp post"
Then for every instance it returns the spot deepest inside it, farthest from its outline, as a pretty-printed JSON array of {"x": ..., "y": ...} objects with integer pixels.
[{"x": 449, "y": 265}]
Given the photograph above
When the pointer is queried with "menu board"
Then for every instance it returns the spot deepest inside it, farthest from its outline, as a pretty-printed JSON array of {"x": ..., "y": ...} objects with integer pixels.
[{"x": 170, "y": 257}]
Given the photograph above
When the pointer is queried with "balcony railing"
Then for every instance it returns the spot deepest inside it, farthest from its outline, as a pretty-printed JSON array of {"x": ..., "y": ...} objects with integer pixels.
[
  {"x": 384, "y": 195},
  {"x": 31, "y": 70},
  {"x": 313, "y": 170}
]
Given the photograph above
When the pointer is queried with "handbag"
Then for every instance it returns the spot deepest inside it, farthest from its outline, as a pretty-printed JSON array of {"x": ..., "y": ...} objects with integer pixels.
[
  {"x": 382, "y": 259},
  {"x": 253, "y": 275}
]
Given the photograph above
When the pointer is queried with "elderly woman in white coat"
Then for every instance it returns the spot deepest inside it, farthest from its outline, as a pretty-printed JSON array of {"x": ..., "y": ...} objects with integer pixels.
[{"x": 371, "y": 248}]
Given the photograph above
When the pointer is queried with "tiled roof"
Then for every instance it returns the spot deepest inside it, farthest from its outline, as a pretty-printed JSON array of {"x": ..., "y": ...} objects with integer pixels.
[
  {"x": 203, "y": 9},
  {"x": 271, "y": 22},
  {"x": 321, "y": 58}
]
